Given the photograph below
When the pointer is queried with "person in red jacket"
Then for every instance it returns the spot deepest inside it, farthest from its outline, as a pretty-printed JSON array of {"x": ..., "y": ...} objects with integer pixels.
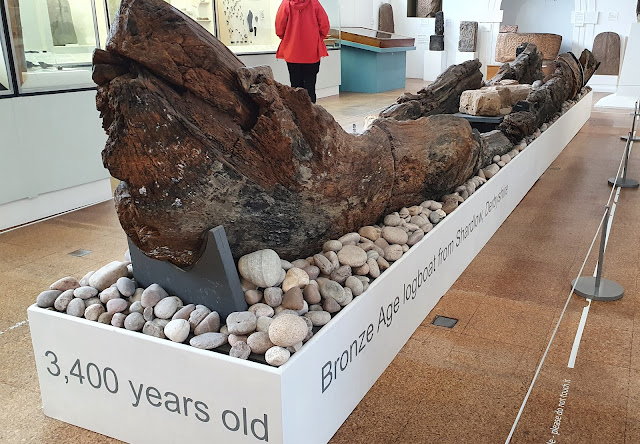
[{"x": 302, "y": 25}]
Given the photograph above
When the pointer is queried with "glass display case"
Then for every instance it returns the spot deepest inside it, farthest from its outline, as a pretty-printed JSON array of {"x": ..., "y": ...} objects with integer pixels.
[
  {"x": 248, "y": 26},
  {"x": 53, "y": 41}
]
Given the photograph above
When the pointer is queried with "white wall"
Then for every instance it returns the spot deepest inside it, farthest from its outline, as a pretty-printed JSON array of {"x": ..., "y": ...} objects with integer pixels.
[{"x": 549, "y": 16}]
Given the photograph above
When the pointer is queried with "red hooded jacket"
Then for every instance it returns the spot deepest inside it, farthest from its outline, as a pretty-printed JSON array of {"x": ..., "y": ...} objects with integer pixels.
[{"x": 302, "y": 25}]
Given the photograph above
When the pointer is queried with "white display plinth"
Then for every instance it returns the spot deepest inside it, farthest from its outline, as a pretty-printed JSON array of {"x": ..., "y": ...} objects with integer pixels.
[
  {"x": 462, "y": 57},
  {"x": 435, "y": 63},
  {"x": 167, "y": 392},
  {"x": 628, "y": 90}
]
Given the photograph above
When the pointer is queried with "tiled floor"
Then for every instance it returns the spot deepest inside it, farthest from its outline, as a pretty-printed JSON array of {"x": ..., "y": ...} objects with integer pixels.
[{"x": 463, "y": 385}]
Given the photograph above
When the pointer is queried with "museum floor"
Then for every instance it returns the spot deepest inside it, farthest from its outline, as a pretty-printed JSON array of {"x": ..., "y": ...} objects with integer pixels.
[{"x": 458, "y": 385}]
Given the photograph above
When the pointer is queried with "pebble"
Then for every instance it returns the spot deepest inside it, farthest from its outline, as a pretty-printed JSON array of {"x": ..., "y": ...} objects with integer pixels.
[
  {"x": 435, "y": 206},
  {"x": 108, "y": 275},
  {"x": 137, "y": 296},
  {"x": 393, "y": 220},
  {"x": 208, "y": 341},
  {"x": 265, "y": 310},
  {"x": 393, "y": 252},
  {"x": 152, "y": 329},
  {"x": 210, "y": 324},
  {"x": 435, "y": 218},
  {"x": 285, "y": 264},
  {"x": 198, "y": 315},
  {"x": 105, "y": 318},
  {"x": 449, "y": 206},
  {"x": 276, "y": 356},
  {"x": 287, "y": 330},
  {"x": 333, "y": 258},
  {"x": 126, "y": 287},
  {"x": 233, "y": 339},
  {"x": 496, "y": 159},
  {"x": 184, "y": 312},
  {"x": 62, "y": 301},
  {"x": 300, "y": 263},
  {"x": 240, "y": 350},
  {"x": 332, "y": 245},
  {"x": 109, "y": 293},
  {"x": 177, "y": 330},
  {"x": 224, "y": 330},
  {"x": 350, "y": 239},
  {"x": 362, "y": 271},
  {"x": 323, "y": 264},
  {"x": 370, "y": 232},
  {"x": 415, "y": 237},
  {"x": 273, "y": 296},
  {"x": 491, "y": 170},
  {"x": 84, "y": 282},
  {"x": 332, "y": 290},
  {"x": 315, "y": 307},
  {"x": 330, "y": 305},
  {"x": 134, "y": 322},
  {"x": 295, "y": 278},
  {"x": 259, "y": 342},
  {"x": 502, "y": 164},
  {"x": 64, "y": 284},
  {"x": 293, "y": 299},
  {"x": 374, "y": 269},
  {"x": 153, "y": 294},
  {"x": 147, "y": 314},
  {"x": 47, "y": 298},
  {"x": 372, "y": 254},
  {"x": 355, "y": 285},
  {"x": 394, "y": 235},
  {"x": 76, "y": 308},
  {"x": 383, "y": 264},
  {"x": 252, "y": 296},
  {"x": 85, "y": 292},
  {"x": 241, "y": 322},
  {"x": 93, "y": 312},
  {"x": 318, "y": 318},
  {"x": 304, "y": 309},
  {"x": 281, "y": 310},
  {"x": 348, "y": 296},
  {"x": 261, "y": 267},
  {"x": 246, "y": 285},
  {"x": 117, "y": 319},
  {"x": 311, "y": 294},
  {"x": 117, "y": 305},
  {"x": 263, "y": 324},
  {"x": 166, "y": 308},
  {"x": 312, "y": 271},
  {"x": 136, "y": 307},
  {"x": 162, "y": 323},
  {"x": 505, "y": 158},
  {"x": 341, "y": 273}
]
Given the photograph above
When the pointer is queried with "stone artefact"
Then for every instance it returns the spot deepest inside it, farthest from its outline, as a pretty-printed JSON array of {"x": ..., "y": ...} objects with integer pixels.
[
  {"x": 480, "y": 103},
  {"x": 428, "y": 8},
  {"x": 439, "y": 27},
  {"x": 468, "y": 36},
  {"x": 258, "y": 157},
  {"x": 606, "y": 49},
  {"x": 436, "y": 43},
  {"x": 508, "y": 28},
  {"x": 385, "y": 18},
  {"x": 440, "y": 97},
  {"x": 508, "y": 42}
]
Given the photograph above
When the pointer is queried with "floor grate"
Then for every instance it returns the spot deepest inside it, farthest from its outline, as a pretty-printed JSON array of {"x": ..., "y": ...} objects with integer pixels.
[{"x": 443, "y": 321}]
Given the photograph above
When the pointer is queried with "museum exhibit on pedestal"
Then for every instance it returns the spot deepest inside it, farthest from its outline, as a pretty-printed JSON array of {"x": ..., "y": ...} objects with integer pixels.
[{"x": 441, "y": 249}]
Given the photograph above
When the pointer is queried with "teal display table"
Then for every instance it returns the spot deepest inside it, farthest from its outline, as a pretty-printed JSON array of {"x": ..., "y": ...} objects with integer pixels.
[{"x": 370, "y": 69}]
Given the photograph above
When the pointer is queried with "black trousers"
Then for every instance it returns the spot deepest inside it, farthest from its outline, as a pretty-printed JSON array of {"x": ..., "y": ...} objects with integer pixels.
[{"x": 304, "y": 75}]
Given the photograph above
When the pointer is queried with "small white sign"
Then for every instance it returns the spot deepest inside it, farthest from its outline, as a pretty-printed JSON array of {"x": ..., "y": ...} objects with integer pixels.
[
  {"x": 613, "y": 16},
  {"x": 578, "y": 19}
]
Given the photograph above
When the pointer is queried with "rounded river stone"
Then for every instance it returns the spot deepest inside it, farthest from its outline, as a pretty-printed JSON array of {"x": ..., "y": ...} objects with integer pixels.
[
  {"x": 208, "y": 341},
  {"x": 241, "y": 322},
  {"x": 153, "y": 294},
  {"x": 277, "y": 356},
  {"x": 240, "y": 350},
  {"x": 177, "y": 330},
  {"x": 287, "y": 330},
  {"x": 259, "y": 342},
  {"x": 210, "y": 324},
  {"x": 166, "y": 308},
  {"x": 76, "y": 308},
  {"x": 261, "y": 267},
  {"x": 134, "y": 322},
  {"x": 47, "y": 298},
  {"x": 352, "y": 256}
]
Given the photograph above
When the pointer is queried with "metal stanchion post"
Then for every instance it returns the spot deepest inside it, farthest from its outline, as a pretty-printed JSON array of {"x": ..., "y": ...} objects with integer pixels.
[
  {"x": 635, "y": 114},
  {"x": 598, "y": 288},
  {"x": 623, "y": 182}
]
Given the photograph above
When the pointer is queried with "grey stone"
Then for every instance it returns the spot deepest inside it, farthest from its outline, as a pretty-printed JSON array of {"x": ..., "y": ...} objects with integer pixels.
[
  {"x": 126, "y": 286},
  {"x": 210, "y": 324},
  {"x": 209, "y": 341},
  {"x": 64, "y": 284},
  {"x": 134, "y": 322},
  {"x": 108, "y": 275},
  {"x": 117, "y": 320},
  {"x": 273, "y": 296},
  {"x": 184, "y": 312},
  {"x": 62, "y": 301},
  {"x": 241, "y": 322},
  {"x": 439, "y": 29},
  {"x": 85, "y": 292},
  {"x": 76, "y": 308},
  {"x": 240, "y": 350},
  {"x": 47, "y": 298},
  {"x": 117, "y": 305},
  {"x": 153, "y": 294}
]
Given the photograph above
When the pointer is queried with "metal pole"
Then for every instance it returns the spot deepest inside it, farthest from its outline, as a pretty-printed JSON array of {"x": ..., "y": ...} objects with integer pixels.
[
  {"x": 626, "y": 158},
  {"x": 603, "y": 241}
]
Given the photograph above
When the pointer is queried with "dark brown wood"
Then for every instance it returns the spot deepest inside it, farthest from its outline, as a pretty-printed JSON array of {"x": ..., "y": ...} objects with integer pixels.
[
  {"x": 199, "y": 140},
  {"x": 440, "y": 97},
  {"x": 526, "y": 68},
  {"x": 378, "y": 39}
]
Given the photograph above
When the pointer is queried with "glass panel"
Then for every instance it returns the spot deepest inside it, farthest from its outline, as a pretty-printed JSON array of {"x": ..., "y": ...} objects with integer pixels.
[
  {"x": 112, "y": 8},
  {"x": 199, "y": 10},
  {"x": 248, "y": 26},
  {"x": 5, "y": 83},
  {"x": 53, "y": 41}
]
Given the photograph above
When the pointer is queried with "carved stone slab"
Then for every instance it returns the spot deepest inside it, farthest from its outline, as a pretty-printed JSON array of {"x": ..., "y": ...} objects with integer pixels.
[
  {"x": 428, "y": 8},
  {"x": 436, "y": 43},
  {"x": 468, "y": 36},
  {"x": 606, "y": 49},
  {"x": 547, "y": 44},
  {"x": 439, "y": 23},
  {"x": 385, "y": 18},
  {"x": 508, "y": 28}
]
